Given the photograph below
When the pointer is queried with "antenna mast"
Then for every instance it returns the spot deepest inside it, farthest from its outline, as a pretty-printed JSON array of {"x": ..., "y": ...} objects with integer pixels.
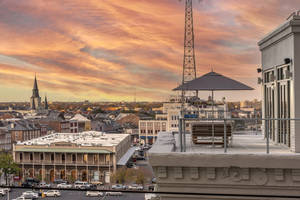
[{"x": 189, "y": 65}]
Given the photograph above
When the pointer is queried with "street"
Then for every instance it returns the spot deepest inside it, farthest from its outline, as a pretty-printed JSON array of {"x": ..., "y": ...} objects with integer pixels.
[{"x": 78, "y": 195}]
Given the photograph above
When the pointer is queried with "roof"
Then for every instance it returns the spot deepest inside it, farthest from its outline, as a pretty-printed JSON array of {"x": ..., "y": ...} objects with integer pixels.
[
  {"x": 213, "y": 81},
  {"x": 126, "y": 156},
  {"x": 63, "y": 150},
  {"x": 80, "y": 118},
  {"x": 87, "y": 139}
]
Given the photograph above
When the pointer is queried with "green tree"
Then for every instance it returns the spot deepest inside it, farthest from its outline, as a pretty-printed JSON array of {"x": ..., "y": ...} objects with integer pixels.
[{"x": 8, "y": 166}]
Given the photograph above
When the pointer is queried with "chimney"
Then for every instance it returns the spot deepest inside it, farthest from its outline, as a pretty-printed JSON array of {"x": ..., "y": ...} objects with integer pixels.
[{"x": 12, "y": 125}]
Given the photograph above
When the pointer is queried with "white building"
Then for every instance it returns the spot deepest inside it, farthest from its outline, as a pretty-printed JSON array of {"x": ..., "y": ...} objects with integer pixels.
[
  {"x": 280, "y": 67},
  {"x": 86, "y": 156}
]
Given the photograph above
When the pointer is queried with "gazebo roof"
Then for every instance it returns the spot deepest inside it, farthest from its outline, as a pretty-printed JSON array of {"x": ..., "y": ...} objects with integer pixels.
[{"x": 213, "y": 81}]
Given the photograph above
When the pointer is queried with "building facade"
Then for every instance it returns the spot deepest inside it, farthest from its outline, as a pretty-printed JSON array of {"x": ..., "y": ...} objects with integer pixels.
[
  {"x": 280, "y": 67},
  {"x": 86, "y": 156}
]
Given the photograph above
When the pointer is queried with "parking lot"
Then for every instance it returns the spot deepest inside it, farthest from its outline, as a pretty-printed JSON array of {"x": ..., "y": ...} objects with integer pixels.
[{"x": 78, "y": 195}]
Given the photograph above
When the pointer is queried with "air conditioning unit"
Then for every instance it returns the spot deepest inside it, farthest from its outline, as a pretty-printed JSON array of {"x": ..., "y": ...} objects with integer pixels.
[{"x": 288, "y": 74}]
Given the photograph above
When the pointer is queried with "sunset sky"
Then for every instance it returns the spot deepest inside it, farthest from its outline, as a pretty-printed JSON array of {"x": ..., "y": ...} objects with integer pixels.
[{"x": 107, "y": 50}]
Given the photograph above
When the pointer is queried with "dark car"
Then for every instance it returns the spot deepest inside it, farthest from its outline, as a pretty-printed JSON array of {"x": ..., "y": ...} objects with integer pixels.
[
  {"x": 140, "y": 158},
  {"x": 151, "y": 187},
  {"x": 27, "y": 184},
  {"x": 59, "y": 181}
]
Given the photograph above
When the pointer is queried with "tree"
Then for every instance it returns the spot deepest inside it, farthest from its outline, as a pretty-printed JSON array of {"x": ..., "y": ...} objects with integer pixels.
[
  {"x": 8, "y": 166},
  {"x": 140, "y": 178},
  {"x": 120, "y": 175}
]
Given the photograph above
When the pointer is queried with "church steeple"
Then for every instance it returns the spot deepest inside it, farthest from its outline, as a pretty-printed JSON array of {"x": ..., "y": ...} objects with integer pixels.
[
  {"x": 35, "y": 100},
  {"x": 46, "y": 103},
  {"x": 35, "y": 90}
]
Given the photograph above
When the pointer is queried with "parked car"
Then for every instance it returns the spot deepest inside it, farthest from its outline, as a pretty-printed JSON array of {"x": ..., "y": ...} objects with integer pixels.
[
  {"x": 150, "y": 196},
  {"x": 118, "y": 187},
  {"x": 81, "y": 185},
  {"x": 64, "y": 186},
  {"x": 52, "y": 193},
  {"x": 5, "y": 189},
  {"x": 20, "y": 198},
  {"x": 30, "y": 195},
  {"x": 96, "y": 182},
  {"x": 94, "y": 194},
  {"x": 59, "y": 181},
  {"x": 44, "y": 185},
  {"x": 151, "y": 187},
  {"x": 135, "y": 187},
  {"x": 114, "y": 193},
  {"x": 27, "y": 184},
  {"x": 2, "y": 192},
  {"x": 140, "y": 158}
]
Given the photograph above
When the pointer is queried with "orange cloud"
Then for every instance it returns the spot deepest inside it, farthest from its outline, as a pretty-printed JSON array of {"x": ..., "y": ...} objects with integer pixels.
[{"x": 106, "y": 50}]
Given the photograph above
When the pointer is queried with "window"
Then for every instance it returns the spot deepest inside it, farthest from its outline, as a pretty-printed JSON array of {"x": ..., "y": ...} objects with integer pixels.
[
  {"x": 52, "y": 157},
  {"x": 74, "y": 158},
  {"x": 63, "y": 158},
  {"x": 21, "y": 156},
  {"x": 31, "y": 156},
  {"x": 42, "y": 156}
]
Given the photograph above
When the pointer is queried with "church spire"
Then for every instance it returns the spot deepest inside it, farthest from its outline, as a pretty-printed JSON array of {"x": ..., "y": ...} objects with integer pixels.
[
  {"x": 35, "y": 90},
  {"x": 46, "y": 103}
]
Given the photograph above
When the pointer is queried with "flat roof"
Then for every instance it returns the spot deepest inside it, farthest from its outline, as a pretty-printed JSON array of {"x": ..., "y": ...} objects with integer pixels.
[
  {"x": 83, "y": 139},
  {"x": 63, "y": 150},
  {"x": 246, "y": 142}
]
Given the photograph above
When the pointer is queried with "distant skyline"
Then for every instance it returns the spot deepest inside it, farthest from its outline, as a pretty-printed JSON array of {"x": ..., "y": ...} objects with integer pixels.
[{"x": 110, "y": 50}]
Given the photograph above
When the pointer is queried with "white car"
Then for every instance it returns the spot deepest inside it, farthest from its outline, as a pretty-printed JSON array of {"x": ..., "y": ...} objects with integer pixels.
[
  {"x": 135, "y": 187},
  {"x": 52, "y": 193},
  {"x": 44, "y": 185},
  {"x": 64, "y": 186},
  {"x": 94, "y": 194},
  {"x": 2, "y": 192},
  {"x": 81, "y": 185},
  {"x": 114, "y": 193},
  {"x": 118, "y": 187},
  {"x": 5, "y": 189},
  {"x": 31, "y": 194},
  {"x": 20, "y": 198}
]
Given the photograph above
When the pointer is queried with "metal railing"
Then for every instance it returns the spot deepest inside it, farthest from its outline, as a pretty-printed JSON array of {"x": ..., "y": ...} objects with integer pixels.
[{"x": 271, "y": 127}]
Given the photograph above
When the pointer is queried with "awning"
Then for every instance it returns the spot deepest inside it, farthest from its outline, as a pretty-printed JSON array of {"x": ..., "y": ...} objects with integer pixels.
[{"x": 125, "y": 158}]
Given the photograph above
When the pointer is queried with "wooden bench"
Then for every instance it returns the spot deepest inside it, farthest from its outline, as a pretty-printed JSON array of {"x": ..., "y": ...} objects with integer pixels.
[{"x": 202, "y": 133}]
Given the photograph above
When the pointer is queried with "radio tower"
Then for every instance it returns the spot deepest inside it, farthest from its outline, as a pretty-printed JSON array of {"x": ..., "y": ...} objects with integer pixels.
[{"x": 189, "y": 66}]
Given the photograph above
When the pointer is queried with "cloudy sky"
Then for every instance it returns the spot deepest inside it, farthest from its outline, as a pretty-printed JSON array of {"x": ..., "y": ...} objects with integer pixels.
[{"x": 104, "y": 50}]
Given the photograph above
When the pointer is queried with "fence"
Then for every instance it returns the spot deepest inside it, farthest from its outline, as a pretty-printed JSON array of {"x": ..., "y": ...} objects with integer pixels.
[{"x": 277, "y": 129}]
